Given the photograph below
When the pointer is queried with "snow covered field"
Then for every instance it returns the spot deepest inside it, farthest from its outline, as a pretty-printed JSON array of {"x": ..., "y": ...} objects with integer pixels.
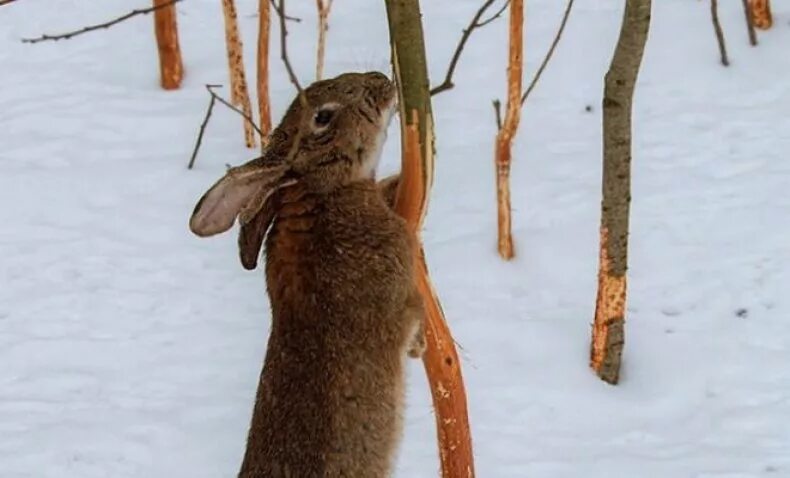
[{"x": 131, "y": 348}]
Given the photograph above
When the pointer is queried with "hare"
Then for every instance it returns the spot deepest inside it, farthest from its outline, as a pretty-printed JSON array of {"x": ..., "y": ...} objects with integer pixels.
[{"x": 339, "y": 269}]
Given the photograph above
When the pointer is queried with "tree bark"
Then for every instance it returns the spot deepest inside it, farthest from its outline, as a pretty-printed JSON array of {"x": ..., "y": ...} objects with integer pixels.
[
  {"x": 171, "y": 67},
  {"x": 239, "y": 95},
  {"x": 264, "y": 104},
  {"x": 441, "y": 358},
  {"x": 608, "y": 328},
  {"x": 504, "y": 138},
  {"x": 761, "y": 14}
]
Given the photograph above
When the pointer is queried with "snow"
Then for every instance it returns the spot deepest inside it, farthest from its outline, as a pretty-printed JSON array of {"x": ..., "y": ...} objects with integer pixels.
[{"x": 131, "y": 348}]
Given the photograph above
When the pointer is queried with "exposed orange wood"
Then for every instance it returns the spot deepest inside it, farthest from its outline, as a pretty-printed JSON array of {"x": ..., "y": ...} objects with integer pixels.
[
  {"x": 264, "y": 104},
  {"x": 239, "y": 94},
  {"x": 504, "y": 139},
  {"x": 440, "y": 358},
  {"x": 171, "y": 68},
  {"x": 761, "y": 14},
  {"x": 608, "y": 328},
  {"x": 411, "y": 199}
]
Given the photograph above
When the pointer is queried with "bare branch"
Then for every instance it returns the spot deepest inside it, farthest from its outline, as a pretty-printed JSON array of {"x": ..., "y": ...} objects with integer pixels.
[
  {"x": 714, "y": 13},
  {"x": 6, "y": 2},
  {"x": 549, "y": 53},
  {"x": 747, "y": 10},
  {"x": 494, "y": 16},
  {"x": 225, "y": 102},
  {"x": 216, "y": 98},
  {"x": 280, "y": 9},
  {"x": 287, "y": 17},
  {"x": 212, "y": 100},
  {"x": 498, "y": 112},
  {"x": 447, "y": 84},
  {"x": 68, "y": 35}
]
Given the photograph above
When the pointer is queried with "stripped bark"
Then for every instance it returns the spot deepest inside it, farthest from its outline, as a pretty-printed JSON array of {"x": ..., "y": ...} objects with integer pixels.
[
  {"x": 608, "y": 328},
  {"x": 714, "y": 14},
  {"x": 171, "y": 67},
  {"x": 324, "y": 6},
  {"x": 264, "y": 104},
  {"x": 441, "y": 358},
  {"x": 505, "y": 135},
  {"x": 761, "y": 14},
  {"x": 238, "y": 84}
]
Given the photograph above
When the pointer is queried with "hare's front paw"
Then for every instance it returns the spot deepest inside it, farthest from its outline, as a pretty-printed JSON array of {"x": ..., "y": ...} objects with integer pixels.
[{"x": 417, "y": 343}]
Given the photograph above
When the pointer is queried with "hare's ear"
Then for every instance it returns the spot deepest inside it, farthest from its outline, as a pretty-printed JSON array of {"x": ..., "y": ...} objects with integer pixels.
[
  {"x": 243, "y": 190},
  {"x": 251, "y": 235}
]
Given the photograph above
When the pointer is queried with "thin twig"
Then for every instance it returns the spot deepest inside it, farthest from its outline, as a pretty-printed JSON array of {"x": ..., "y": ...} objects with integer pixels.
[
  {"x": 68, "y": 35},
  {"x": 498, "y": 112},
  {"x": 287, "y": 17},
  {"x": 6, "y": 2},
  {"x": 467, "y": 32},
  {"x": 212, "y": 100},
  {"x": 747, "y": 10},
  {"x": 549, "y": 53},
  {"x": 714, "y": 13},
  {"x": 216, "y": 98},
  {"x": 494, "y": 16},
  {"x": 280, "y": 9},
  {"x": 225, "y": 102}
]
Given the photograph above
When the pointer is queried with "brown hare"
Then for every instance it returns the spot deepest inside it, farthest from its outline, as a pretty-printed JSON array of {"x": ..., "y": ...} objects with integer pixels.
[{"x": 339, "y": 270}]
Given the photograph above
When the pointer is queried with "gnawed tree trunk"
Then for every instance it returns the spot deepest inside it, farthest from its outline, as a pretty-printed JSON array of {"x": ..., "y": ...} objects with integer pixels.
[
  {"x": 171, "y": 67},
  {"x": 324, "y": 6},
  {"x": 761, "y": 14},
  {"x": 264, "y": 105},
  {"x": 608, "y": 328},
  {"x": 238, "y": 84},
  {"x": 441, "y": 358},
  {"x": 504, "y": 138}
]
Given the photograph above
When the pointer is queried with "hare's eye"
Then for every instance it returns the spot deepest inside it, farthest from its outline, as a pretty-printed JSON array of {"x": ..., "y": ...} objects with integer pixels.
[{"x": 323, "y": 117}]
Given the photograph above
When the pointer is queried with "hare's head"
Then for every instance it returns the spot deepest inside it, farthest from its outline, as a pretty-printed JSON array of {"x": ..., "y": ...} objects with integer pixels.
[
  {"x": 330, "y": 137},
  {"x": 335, "y": 134}
]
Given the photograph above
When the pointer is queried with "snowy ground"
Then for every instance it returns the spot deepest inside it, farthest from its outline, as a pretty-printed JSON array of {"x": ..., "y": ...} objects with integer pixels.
[{"x": 131, "y": 348}]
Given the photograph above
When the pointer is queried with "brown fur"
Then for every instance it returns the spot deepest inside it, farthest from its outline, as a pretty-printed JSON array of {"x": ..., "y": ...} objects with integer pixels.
[
  {"x": 389, "y": 189},
  {"x": 340, "y": 278}
]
